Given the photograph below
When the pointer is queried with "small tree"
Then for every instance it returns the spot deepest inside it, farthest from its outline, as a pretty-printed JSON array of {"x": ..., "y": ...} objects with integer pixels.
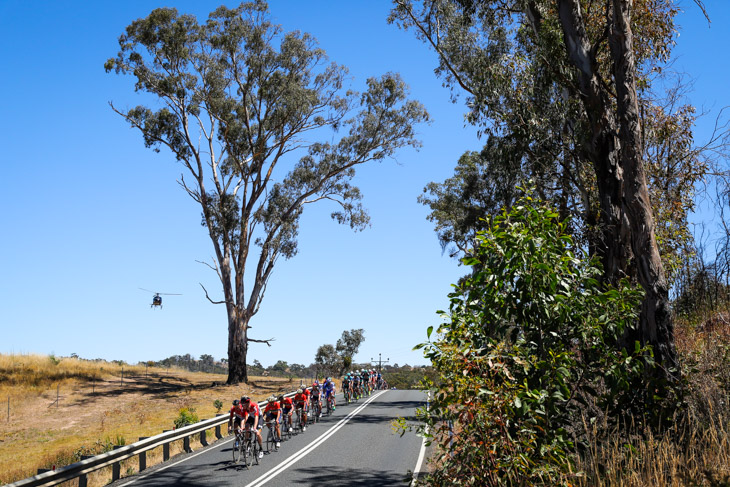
[
  {"x": 527, "y": 352},
  {"x": 233, "y": 107}
]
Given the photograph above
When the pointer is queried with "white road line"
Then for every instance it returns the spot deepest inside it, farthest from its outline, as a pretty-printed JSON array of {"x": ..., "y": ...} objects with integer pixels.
[
  {"x": 422, "y": 453},
  {"x": 308, "y": 449},
  {"x": 204, "y": 450}
]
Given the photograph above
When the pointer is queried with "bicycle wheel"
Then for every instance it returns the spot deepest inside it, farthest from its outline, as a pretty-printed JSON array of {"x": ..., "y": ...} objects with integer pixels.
[
  {"x": 247, "y": 451},
  {"x": 287, "y": 433},
  {"x": 238, "y": 448},
  {"x": 254, "y": 450},
  {"x": 270, "y": 439},
  {"x": 329, "y": 406}
]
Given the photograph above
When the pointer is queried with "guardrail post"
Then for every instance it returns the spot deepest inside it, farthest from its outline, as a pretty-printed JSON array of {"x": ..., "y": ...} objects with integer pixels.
[
  {"x": 82, "y": 477},
  {"x": 116, "y": 467},
  {"x": 186, "y": 444},
  {"x": 143, "y": 456},
  {"x": 203, "y": 438},
  {"x": 218, "y": 428},
  {"x": 165, "y": 449}
]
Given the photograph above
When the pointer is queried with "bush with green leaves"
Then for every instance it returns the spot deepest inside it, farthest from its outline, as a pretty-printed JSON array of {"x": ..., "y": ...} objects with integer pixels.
[
  {"x": 185, "y": 417},
  {"x": 529, "y": 351}
]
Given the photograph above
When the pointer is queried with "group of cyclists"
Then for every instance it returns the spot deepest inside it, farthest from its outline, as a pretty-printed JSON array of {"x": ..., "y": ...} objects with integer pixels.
[
  {"x": 306, "y": 406},
  {"x": 360, "y": 383}
]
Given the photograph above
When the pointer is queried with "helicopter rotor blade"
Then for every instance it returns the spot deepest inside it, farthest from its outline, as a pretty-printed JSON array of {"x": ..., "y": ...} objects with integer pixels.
[
  {"x": 169, "y": 294},
  {"x": 147, "y": 290}
]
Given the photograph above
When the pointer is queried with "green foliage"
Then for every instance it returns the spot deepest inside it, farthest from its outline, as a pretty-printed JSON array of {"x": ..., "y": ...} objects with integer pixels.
[
  {"x": 218, "y": 405},
  {"x": 338, "y": 358},
  {"x": 185, "y": 417},
  {"x": 529, "y": 349},
  {"x": 55, "y": 361}
]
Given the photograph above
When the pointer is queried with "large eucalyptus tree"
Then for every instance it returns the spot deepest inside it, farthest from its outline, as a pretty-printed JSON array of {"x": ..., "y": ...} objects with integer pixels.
[
  {"x": 556, "y": 86},
  {"x": 236, "y": 98}
]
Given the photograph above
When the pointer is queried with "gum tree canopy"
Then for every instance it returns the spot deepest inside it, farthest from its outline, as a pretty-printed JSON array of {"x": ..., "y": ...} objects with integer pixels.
[
  {"x": 235, "y": 97},
  {"x": 562, "y": 91}
]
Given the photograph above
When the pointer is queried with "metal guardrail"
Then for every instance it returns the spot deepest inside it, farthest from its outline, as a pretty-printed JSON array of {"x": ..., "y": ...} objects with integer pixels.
[{"x": 113, "y": 458}]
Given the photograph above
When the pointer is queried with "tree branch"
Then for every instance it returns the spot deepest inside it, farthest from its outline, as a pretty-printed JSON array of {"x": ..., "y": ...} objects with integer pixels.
[
  {"x": 260, "y": 341},
  {"x": 206, "y": 294}
]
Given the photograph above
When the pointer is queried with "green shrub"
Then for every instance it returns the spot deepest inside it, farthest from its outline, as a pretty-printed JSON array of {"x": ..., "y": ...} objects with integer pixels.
[
  {"x": 185, "y": 417},
  {"x": 218, "y": 405},
  {"x": 528, "y": 351}
]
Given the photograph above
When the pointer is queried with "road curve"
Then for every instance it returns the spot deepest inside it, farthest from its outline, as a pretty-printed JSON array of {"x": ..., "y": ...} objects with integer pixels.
[{"x": 355, "y": 446}]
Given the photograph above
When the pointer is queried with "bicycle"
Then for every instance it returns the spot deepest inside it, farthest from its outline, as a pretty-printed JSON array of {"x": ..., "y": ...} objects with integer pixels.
[
  {"x": 271, "y": 439},
  {"x": 248, "y": 446},
  {"x": 346, "y": 394},
  {"x": 286, "y": 426},
  {"x": 329, "y": 401},
  {"x": 239, "y": 446},
  {"x": 299, "y": 426},
  {"x": 316, "y": 410}
]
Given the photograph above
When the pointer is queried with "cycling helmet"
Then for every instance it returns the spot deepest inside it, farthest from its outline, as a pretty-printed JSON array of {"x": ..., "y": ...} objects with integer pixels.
[
  {"x": 281, "y": 398},
  {"x": 236, "y": 402},
  {"x": 299, "y": 391},
  {"x": 272, "y": 399},
  {"x": 329, "y": 379},
  {"x": 245, "y": 399}
]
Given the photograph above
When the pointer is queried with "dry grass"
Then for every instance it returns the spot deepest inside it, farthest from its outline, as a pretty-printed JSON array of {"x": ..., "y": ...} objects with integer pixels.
[
  {"x": 695, "y": 451},
  {"x": 96, "y": 409}
]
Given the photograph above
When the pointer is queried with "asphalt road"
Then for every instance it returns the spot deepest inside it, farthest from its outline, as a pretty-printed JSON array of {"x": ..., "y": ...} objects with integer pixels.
[{"x": 355, "y": 446}]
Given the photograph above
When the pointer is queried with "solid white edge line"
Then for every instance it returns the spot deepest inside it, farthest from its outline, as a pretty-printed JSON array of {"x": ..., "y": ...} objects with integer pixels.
[
  {"x": 422, "y": 453},
  {"x": 311, "y": 447},
  {"x": 204, "y": 450},
  {"x": 419, "y": 462}
]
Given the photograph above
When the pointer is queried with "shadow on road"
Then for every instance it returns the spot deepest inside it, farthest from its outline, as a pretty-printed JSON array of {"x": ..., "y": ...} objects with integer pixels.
[{"x": 352, "y": 477}]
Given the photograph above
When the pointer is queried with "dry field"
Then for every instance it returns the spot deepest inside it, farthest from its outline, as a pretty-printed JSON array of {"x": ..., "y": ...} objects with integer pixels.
[{"x": 97, "y": 409}]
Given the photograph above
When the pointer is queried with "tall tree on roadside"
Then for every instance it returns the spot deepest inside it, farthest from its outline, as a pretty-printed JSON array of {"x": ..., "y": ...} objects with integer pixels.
[
  {"x": 555, "y": 84},
  {"x": 236, "y": 98}
]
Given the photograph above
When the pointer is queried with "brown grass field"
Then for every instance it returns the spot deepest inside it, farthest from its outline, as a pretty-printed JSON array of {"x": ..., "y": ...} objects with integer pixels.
[{"x": 97, "y": 409}]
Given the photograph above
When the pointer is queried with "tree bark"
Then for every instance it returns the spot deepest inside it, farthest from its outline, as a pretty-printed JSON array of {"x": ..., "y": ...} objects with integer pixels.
[
  {"x": 656, "y": 324},
  {"x": 237, "y": 347},
  {"x": 615, "y": 149}
]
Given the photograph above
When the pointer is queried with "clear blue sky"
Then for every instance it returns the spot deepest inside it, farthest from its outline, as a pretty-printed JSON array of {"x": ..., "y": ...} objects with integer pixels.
[{"x": 90, "y": 215}]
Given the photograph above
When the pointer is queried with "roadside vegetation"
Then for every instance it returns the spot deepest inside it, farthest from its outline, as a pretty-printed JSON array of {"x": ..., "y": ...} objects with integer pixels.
[{"x": 588, "y": 341}]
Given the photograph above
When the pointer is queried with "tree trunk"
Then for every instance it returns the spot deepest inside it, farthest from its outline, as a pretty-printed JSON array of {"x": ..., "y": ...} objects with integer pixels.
[
  {"x": 656, "y": 324},
  {"x": 237, "y": 347},
  {"x": 627, "y": 223}
]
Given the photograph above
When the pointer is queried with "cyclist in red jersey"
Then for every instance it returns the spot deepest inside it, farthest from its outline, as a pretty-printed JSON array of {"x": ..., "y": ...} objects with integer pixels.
[
  {"x": 287, "y": 407},
  {"x": 253, "y": 419},
  {"x": 301, "y": 401},
  {"x": 237, "y": 416},
  {"x": 272, "y": 412}
]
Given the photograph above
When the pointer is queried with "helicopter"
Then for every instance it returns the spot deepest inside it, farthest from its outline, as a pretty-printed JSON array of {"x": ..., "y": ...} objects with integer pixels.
[{"x": 157, "y": 298}]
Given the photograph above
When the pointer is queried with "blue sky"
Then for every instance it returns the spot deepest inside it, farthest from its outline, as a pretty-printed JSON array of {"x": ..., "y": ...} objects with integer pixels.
[{"x": 90, "y": 215}]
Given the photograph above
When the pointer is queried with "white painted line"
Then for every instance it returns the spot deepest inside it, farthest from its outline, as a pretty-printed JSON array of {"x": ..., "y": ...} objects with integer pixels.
[
  {"x": 204, "y": 450},
  {"x": 308, "y": 449},
  {"x": 422, "y": 453}
]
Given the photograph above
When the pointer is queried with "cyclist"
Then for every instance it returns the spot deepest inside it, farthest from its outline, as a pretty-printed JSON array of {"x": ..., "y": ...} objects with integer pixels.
[
  {"x": 380, "y": 381},
  {"x": 315, "y": 397},
  {"x": 238, "y": 415},
  {"x": 346, "y": 385},
  {"x": 356, "y": 386},
  {"x": 287, "y": 407},
  {"x": 301, "y": 401},
  {"x": 272, "y": 412},
  {"x": 253, "y": 413},
  {"x": 364, "y": 376},
  {"x": 329, "y": 390}
]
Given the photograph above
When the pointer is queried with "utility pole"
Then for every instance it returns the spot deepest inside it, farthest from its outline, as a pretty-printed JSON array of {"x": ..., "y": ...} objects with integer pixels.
[{"x": 380, "y": 361}]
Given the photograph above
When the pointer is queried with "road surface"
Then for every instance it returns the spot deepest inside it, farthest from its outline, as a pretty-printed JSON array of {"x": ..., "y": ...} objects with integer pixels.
[{"x": 355, "y": 446}]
